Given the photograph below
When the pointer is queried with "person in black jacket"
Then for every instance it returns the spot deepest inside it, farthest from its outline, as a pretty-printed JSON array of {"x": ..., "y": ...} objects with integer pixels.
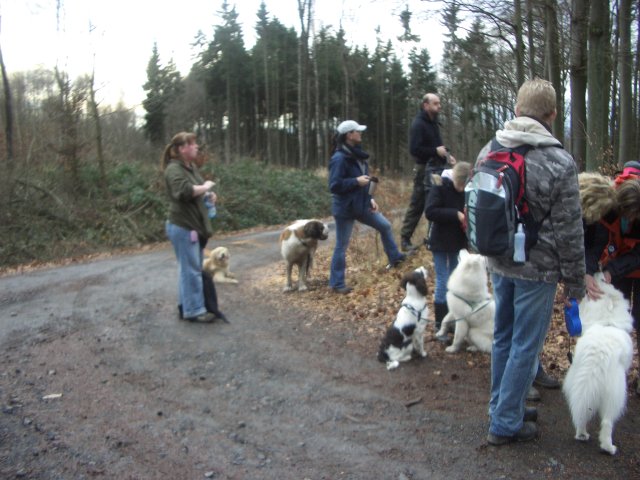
[
  {"x": 444, "y": 209},
  {"x": 431, "y": 157}
]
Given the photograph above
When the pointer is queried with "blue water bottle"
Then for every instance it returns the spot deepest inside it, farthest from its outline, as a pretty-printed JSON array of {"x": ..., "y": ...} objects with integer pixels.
[
  {"x": 572, "y": 318},
  {"x": 211, "y": 206}
]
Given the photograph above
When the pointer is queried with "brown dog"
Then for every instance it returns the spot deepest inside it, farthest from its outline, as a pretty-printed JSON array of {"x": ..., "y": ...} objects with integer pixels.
[{"x": 298, "y": 244}]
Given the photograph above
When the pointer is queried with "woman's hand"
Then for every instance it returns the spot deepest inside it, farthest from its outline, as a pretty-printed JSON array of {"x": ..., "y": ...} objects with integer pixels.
[
  {"x": 363, "y": 180},
  {"x": 593, "y": 290},
  {"x": 374, "y": 206},
  {"x": 202, "y": 189},
  {"x": 461, "y": 218}
]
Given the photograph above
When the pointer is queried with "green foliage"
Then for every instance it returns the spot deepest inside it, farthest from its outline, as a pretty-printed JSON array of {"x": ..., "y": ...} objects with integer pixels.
[
  {"x": 43, "y": 223},
  {"x": 251, "y": 194}
]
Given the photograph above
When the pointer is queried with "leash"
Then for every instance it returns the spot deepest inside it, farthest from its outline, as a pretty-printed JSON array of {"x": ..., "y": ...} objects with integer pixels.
[{"x": 474, "y": 306}]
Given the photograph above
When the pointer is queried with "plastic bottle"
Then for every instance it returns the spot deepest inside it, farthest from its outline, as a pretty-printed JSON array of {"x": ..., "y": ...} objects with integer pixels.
[
  {"x": 211, "y": 206},
  {"x": 518, "y": 246}
]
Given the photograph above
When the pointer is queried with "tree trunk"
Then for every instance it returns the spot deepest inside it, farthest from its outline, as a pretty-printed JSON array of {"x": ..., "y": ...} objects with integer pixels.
[
  {"x": 93, "y": 105},
  {"x": 553, "y": 63},
  {"x": 625, "y": 60},
  {"x": 8, "y": 110},
  {"x": 517, "y": 22},
  {"x": 598, "y": 71},
  {"x": 579, "y": 17}
]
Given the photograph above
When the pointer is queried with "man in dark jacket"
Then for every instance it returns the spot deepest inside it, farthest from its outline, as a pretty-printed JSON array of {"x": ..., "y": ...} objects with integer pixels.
[{"x": 431, "y": 157}]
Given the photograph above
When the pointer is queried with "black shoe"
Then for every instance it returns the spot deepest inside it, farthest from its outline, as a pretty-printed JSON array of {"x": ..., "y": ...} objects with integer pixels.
[
  {"x": 533, "y": 395},
  {"x": 530, "y": 414},
  {"x": 405, "y": 245},
  {"x": 528, "y": 432},
  {"x": 207, "y": 317},
  {"x": 342, "y": 290},
  {"x": 545, "y": 380},
  {"x": 397, "y": 261}
]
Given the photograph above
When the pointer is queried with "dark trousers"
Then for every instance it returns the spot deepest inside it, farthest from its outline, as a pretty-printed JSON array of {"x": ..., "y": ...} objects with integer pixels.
[
  {"x": 630, "y": 287},
  {"x": 421, "y": 186}
]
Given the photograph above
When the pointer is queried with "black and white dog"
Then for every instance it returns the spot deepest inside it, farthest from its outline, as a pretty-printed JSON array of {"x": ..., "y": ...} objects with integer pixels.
[{"x": 406, "y": 334}]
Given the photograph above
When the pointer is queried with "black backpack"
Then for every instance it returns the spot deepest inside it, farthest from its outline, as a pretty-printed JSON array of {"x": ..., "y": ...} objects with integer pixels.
[{"x": 495, "y": 203}]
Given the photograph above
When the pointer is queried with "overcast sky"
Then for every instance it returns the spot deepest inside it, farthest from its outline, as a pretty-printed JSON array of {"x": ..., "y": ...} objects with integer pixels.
[{"x": 123, "y": 33}]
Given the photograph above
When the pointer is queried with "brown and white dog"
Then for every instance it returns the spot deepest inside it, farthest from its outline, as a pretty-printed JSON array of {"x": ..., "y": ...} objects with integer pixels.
[
  {"x": 216, "y": 262},
  {"x": 298, "y": 244}
]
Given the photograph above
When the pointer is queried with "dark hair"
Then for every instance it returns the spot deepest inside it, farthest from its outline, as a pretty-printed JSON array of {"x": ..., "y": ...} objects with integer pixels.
[{"x": 171, "y": 151}]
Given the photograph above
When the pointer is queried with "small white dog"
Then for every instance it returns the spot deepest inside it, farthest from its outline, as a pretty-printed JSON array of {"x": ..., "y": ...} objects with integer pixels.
[
  {"x": 406, "y": 335},
  {"x": 216, "y": 262},
  {"x": 298, "y": 244},
  {"x": 597, "y": 379},
  {"x": 470, "y": 304}
]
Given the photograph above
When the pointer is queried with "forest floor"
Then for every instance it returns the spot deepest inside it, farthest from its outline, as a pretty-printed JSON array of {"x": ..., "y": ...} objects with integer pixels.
[{"x": 99, "y": 379}]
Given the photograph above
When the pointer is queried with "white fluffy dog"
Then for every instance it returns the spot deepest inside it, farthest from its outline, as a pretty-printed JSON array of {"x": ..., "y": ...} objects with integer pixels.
[
  {"x": 406, "y": 335},
  {"x": 216, "y": 262},
  {"x": 471, "y": 306},
  {"x": 597, "y": 379}
]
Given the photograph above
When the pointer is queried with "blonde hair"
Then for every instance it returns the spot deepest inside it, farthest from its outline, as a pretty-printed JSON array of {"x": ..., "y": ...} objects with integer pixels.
[
  {"x": 172, "y": 150},
  {"x": 461, "y": 172},
  {"x": 628, "y": 199},
  {"x": 536, "y": 98}
]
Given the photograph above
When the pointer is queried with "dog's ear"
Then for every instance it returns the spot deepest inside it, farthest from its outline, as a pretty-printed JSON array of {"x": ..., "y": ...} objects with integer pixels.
[
  {"x": 405, "y": 279},
  {"x": 420, "y": 283}
]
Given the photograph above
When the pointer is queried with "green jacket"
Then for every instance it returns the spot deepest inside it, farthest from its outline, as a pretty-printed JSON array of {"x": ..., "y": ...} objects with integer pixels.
[{"x": 185, "y": 210}]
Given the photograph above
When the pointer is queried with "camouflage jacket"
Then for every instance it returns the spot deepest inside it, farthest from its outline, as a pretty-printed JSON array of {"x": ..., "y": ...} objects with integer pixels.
[{"x": 553, "y": 197}]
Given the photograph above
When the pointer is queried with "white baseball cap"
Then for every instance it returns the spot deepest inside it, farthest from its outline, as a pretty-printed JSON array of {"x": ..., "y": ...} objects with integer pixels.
[{"x": 350, "y": 126}]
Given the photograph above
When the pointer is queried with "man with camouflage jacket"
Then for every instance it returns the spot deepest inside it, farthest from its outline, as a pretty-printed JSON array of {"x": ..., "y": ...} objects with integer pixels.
[{"x": 524, "y": 293}]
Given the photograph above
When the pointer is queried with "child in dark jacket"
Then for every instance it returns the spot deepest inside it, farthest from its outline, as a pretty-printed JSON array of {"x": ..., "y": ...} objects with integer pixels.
[{"x": 444, "y": 210}]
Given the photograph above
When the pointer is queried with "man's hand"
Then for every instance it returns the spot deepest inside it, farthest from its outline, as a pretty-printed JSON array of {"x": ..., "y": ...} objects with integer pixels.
[{"x": 363, "y": 180}]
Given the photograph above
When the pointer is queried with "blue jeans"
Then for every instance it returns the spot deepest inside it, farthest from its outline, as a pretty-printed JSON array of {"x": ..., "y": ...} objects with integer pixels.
[
  {"x": 344, "y": 227},
  {"x": 444, "y": 263},
  {"x": 189, "y": 256},
  {"x": 523, "y": 314}
]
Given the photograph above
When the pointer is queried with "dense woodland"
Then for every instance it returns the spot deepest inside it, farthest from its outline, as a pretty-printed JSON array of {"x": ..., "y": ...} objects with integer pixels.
[{"x": 72, "y": 162}]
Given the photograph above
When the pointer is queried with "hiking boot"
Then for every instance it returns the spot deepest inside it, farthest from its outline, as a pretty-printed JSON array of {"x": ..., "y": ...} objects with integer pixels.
[
  {"x": 528, "y": 432},
  {"x": 406, "y": 246},
  {"x": 530, "y": 414},
  {"x": 544, "y": 380},
  {"x": 342, "y": 290},
  {"x": 207, "y": 317},
  {"x": 533, "y": 395}
]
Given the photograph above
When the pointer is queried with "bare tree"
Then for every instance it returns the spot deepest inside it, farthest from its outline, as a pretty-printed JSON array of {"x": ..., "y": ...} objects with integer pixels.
[
  {"x": 579, "y": 18},
  {"x": 625, "y": 60},
  {"x": 598, "y": 84},
  {"x": 305, "y": 9},
  {"x": 8, "y": 110}
]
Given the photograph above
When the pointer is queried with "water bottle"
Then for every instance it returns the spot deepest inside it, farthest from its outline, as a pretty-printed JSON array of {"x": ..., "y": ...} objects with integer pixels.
[
  {"x": 572, "y": 318},
  {"x": 211, "y": 206},
  {"x": 518, "y": 245}
]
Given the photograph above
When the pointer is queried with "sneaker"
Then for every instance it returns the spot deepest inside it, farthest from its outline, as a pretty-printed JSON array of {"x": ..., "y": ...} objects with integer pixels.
[
  {"x": 207, "y": 317},
  {"x": 397, "y": 261},
  {"x": 545, "y": 380},
  {"x": 533, "y": 395},
  {"x": 528, "y": 432},
  {"x": 342, "y": 290},
  {"x": 530, "y": 414}
]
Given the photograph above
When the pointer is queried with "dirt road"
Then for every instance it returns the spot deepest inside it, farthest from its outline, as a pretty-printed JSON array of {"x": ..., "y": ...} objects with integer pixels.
[{"x": 100, "y": 380}]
